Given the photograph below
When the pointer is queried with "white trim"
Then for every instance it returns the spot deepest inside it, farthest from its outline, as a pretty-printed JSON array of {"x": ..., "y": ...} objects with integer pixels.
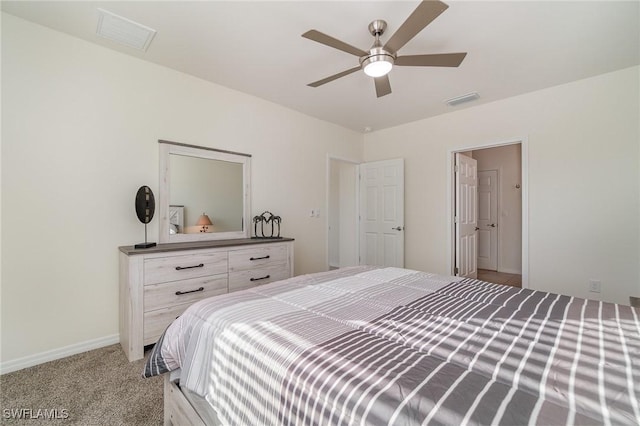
[
  {"x": 524, "y": 160},
  {"x": 54, "y": 354},
  {"x": 499, "y": 234},
  {"x": 509, "y": 271}
]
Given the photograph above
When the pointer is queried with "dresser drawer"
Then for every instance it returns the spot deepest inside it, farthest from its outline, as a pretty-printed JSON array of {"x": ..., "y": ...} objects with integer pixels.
[
  {"x": 162, "y": 295},
  {"x": 150, "y": 279},
  {"x": 173, "y": 268},
  {"x": 241, "y": 280},
  {"x": 155, "y": 322},
  {"x": 255, "y": 257}
]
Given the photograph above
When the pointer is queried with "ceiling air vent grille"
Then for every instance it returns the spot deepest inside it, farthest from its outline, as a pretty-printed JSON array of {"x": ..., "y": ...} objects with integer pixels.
[
  {"x": 462, "y": 99},
  {"x": 123, "y": 30}
]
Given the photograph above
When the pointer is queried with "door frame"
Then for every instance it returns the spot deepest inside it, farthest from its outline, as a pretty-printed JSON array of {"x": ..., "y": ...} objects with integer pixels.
[
  {"x": 356, "y": 164},
  {"x": 524, "y": 164}
]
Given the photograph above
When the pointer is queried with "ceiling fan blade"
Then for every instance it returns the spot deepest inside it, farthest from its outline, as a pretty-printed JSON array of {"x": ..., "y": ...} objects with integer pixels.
[
  {"x": 383, "y": 86},
  {"x": 427, "y": 11},
  {"x": 333, "y": 42},
  {"x": 333, "y": 77},
  {"x": 434, "y": 60}
]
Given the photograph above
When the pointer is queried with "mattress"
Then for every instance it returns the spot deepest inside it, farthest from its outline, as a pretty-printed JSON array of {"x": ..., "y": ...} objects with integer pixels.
[
  {"x": 394, "y": 346},
  {"x": 202, "y": 407}
]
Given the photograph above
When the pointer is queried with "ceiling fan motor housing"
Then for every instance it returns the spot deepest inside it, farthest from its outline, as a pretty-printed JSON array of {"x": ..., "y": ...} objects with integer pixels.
[
  {"x": 377, "y": 54},
  {"x": 377, "y": 27}
]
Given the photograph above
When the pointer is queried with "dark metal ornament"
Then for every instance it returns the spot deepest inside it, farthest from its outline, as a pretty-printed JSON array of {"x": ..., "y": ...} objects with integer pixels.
[
  {"x": 145, "y": 204},
  {"x": 145, "y": 208},
  {"x": 268, "y": 219}
]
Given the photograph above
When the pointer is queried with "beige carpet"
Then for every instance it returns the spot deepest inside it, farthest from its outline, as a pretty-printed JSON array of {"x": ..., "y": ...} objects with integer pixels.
[{"x": 98, "y": 387}]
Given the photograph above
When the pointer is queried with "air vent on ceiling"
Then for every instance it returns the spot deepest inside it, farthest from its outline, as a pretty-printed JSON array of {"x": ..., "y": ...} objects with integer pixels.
[
  {"x": 462, "y": 99},
  {"x": 123, "y": 30}
]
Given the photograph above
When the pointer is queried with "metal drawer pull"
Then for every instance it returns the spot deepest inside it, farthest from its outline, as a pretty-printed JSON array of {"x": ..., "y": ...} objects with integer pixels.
[
  {"x": 261, "y": 278},
  {"x": 260, "y": 258},
  {"x": 180, "y": 293},
  {"x": 180, "y": 268}
]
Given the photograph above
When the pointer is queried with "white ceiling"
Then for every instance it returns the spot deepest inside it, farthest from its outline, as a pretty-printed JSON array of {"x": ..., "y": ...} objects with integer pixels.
[{"x": 255, "y": 47}]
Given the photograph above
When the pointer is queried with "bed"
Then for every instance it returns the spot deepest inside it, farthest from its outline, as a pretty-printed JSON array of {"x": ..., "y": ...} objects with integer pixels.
[{"x": 366, "y": 345}]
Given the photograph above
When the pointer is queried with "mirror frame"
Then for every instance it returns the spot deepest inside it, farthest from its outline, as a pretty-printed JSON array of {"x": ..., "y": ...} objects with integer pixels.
[{"x": 168, "y": 148}]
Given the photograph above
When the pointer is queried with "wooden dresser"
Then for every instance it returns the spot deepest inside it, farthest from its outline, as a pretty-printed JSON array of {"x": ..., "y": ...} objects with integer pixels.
[{"x": 157, "y": 284}]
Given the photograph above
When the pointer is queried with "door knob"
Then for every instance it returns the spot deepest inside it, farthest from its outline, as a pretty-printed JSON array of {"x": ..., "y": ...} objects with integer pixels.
[
  {"x": 477, "y": 229},
  {"x": 493, "y": 225},
  {"x": 398, "y": 228}
]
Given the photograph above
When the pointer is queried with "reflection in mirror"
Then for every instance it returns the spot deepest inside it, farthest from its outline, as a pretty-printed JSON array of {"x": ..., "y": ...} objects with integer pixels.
[
  {"x": 204, "y": 193},
  {"x": 205, "y": 186},
  {"x": 176, "y": 219}
]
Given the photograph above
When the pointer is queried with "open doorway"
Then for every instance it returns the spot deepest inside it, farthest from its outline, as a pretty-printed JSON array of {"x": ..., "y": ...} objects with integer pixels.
[
  {"x": 501, "y": 225},
  {"x": 342, "y": 213}
]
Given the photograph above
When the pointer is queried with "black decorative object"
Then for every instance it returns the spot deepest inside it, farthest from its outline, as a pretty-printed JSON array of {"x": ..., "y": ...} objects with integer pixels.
[
  {"x": 264, "y": 220},
  {"x": 145, "y": 208}
]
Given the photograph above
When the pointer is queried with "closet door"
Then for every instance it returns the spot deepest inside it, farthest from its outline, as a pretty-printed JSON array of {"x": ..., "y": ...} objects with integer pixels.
[{"x": 382, "y": 213}]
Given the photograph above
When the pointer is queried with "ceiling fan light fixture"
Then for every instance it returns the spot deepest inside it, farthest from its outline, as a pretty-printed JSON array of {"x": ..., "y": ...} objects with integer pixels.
[
  {"x": 377, "y": 65},
  {"x": 378, "y": 61}
]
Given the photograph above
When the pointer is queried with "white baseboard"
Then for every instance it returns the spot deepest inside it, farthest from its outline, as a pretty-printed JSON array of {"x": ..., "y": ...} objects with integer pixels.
[
  {"x": 510, "y": 271},
  {"x": 52, "y": 355}
]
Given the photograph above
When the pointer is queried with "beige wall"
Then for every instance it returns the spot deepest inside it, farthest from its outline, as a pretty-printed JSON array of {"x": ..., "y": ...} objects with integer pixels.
[
  {"x": 583, "y": 143},
  {"x": 80, "y": 125},
  {"x": 506, "y": 160}
]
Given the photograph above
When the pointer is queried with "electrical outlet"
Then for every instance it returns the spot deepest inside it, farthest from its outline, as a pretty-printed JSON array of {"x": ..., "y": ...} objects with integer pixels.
[{"x": 595, "y": 286}]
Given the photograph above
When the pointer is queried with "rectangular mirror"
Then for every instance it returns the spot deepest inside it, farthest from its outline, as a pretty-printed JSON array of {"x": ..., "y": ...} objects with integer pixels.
[{"x": 204, "y": 193}]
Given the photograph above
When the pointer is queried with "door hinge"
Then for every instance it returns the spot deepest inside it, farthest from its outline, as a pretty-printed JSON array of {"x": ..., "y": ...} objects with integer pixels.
[
  {"x": 455, "y": 271},
  {"x": 455, "y": 219},
  {"x": 455, "y": 168}
]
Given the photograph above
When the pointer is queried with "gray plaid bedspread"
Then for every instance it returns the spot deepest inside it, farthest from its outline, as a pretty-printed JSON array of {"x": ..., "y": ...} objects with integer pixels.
[{"x": 393, "y": 346}]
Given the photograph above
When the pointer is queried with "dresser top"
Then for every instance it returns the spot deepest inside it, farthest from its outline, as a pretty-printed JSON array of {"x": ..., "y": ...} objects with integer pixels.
[{"x": 131, "y": 250}]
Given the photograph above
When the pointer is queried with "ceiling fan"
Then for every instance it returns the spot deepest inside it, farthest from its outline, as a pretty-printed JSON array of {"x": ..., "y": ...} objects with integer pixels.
[{"x": 378, "y": 60}]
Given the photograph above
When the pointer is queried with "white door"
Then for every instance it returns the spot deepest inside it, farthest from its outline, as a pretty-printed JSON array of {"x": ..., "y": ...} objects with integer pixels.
[
  {"x": 466, "y": 177},
  {"x": 382, "y": 213},
  {"x": 488, "y": 220}
]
